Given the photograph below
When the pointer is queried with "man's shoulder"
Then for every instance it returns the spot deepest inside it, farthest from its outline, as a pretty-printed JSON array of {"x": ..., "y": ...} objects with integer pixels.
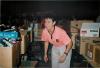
[{"x": 59, "y": 28}]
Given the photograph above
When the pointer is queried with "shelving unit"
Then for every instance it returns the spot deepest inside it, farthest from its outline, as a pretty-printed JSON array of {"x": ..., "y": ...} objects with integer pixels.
[
  {"x": 95, "y": 60},
  {"x": 91, "y": 51}
]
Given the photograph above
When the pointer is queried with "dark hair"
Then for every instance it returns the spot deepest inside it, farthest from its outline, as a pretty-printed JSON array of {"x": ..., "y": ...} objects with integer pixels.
[{"x": 48, "y": 16}]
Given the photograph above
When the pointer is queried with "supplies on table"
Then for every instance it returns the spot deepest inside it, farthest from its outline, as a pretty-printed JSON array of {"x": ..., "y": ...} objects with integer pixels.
[
  {"x": 7, "y": 38},
  {"x": 5, "y": 43}
]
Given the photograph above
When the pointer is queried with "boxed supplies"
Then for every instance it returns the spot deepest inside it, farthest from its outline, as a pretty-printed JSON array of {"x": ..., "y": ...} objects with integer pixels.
[{"x": 90, "y": 30}]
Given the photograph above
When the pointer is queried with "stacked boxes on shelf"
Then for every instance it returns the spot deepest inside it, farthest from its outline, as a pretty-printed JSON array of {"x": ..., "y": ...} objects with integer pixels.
[{"x": 88, "y": 48}]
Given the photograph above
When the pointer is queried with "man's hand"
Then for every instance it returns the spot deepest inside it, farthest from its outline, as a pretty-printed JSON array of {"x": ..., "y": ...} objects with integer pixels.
[
  {"x": 62, "y": 58},
  {"x": 46, "y": 58}
]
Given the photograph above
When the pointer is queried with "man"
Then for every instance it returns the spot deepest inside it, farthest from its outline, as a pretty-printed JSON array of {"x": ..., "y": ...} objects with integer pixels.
[{"x": 62, "y": 46}]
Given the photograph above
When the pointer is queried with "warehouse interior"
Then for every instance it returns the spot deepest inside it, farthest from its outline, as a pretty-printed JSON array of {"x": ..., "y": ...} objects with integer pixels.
[{"x": 24, "y": 49}]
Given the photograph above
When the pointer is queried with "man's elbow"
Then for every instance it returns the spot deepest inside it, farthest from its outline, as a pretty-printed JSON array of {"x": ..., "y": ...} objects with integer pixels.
[{"x": 70, "y": 43}]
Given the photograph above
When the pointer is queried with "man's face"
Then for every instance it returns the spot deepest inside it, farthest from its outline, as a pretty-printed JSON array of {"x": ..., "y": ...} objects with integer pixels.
[{"x": 48, "y": 23}]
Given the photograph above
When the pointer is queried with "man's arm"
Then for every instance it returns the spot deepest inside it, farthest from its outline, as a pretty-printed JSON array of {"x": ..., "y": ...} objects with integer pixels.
[
  {"x": 46, "y": 47},
  {"x": 68, "y": 47},
  {"x": 45, "y": 51}
]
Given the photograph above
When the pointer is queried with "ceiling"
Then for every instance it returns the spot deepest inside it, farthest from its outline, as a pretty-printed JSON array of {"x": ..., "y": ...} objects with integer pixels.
[{"x": 71, "y": 8}]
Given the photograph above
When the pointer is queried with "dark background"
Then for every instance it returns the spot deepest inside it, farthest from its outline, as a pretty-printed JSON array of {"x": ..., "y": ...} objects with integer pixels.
[{"x": 80, "y": 9}]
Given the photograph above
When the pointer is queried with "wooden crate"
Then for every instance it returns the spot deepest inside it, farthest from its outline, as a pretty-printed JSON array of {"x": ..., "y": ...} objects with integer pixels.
[{"x": 96, "y": 54}]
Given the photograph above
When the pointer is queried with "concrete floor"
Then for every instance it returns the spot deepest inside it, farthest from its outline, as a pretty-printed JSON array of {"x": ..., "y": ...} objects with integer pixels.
[{"x": 77, "y": 61}]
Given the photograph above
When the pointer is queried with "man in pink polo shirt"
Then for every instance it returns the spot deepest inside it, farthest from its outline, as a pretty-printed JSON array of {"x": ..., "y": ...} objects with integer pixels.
[{"x": 62, "y": 45}]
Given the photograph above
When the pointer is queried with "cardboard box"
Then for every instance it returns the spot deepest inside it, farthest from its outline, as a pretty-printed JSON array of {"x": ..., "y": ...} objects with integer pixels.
[
  {"x": 90, "y": 30},
  {"x": 76, "y": 24},
  {"x": 9, "y": 56}
]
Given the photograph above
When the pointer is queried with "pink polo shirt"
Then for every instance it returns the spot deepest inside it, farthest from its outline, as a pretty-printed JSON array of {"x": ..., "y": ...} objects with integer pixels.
[{"x": 59, "y": 37}]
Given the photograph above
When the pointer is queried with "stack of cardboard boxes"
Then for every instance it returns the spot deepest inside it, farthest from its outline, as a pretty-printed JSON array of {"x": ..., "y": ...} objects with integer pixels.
[{"x": 75, "y": 28}]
